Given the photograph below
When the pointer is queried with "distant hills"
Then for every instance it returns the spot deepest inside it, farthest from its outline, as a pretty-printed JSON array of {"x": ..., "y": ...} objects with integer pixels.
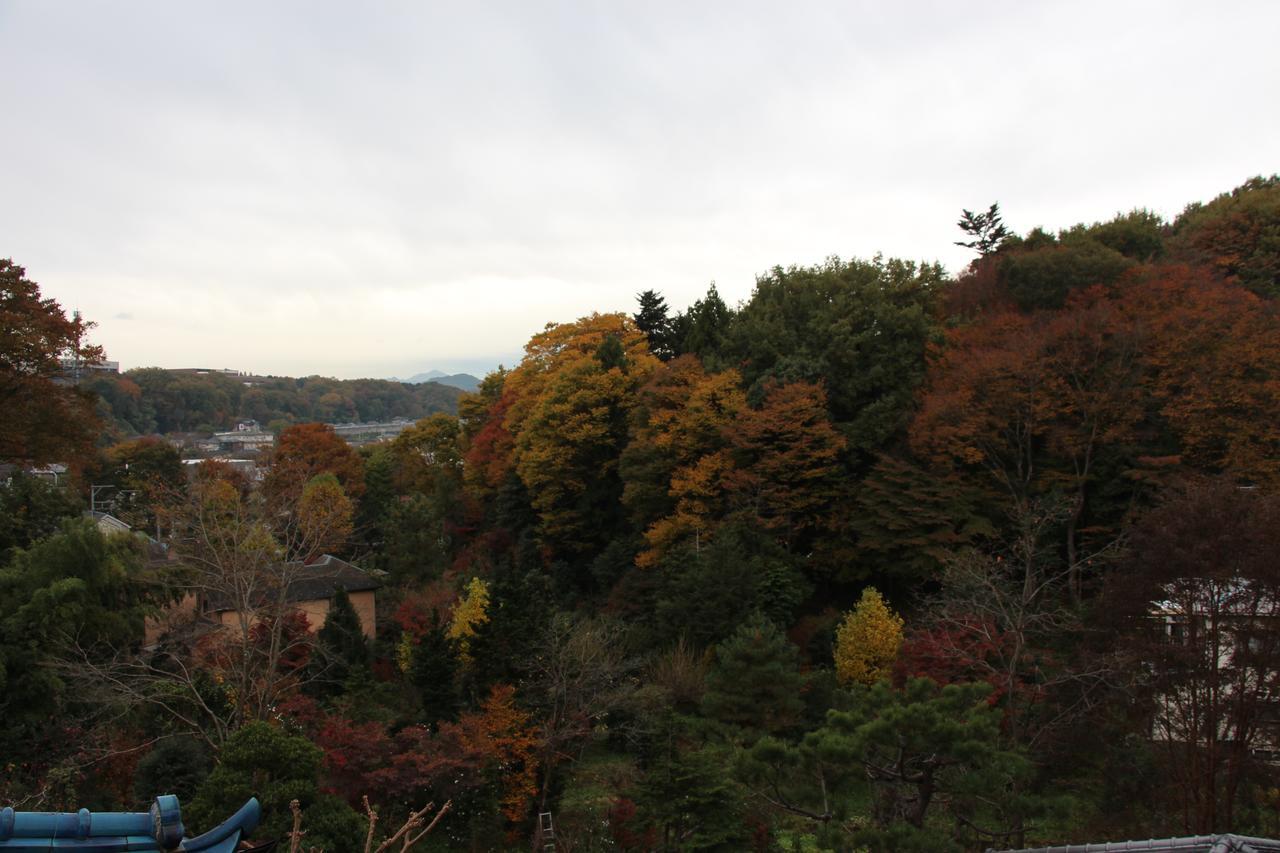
[
  {"x": 465, "y": 381},
  {"x": 151, "y": 400}
]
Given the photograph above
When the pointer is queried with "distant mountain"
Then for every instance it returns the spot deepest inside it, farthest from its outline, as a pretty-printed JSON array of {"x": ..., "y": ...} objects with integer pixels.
[
  {"x": 424, "y": 377},
  {"x": 465, "y": 381}
]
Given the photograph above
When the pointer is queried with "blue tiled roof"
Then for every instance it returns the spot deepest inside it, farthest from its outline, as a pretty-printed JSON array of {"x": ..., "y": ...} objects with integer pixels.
[{"x": 159, "y": 829}]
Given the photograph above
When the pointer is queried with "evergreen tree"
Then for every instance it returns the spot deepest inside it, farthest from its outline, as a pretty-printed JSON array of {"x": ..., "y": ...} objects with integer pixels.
[
  {"x": 986, "y": 229},
  {"x": 756, "y": 680},
  {"x": 705, "y": 328},
  {"x": 434, "y": 670},
  {"x": 415, "y": 545},
  {"x": 687, "y": 797},
  {"x": 31, "y": 509},
  {"x": 263, "y": 761},
  {"x": 342, "y": 647},
  {"x": 652, "y": 319},
  {"x": 177, "y": 766},
  {"x": 520, "y": 601},
  {"x": 707, "y": 590}
]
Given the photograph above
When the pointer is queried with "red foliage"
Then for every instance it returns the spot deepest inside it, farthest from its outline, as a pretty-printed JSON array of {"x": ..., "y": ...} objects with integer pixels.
[
  {"x": 622, "y": 815},
  {"x": 305, "y": 451},
  {"x": 414, "y": 615},
  {"x": 496, "y": 745},
  {"x": 957, "y": 652},
  {"x": 488, "y": 459},
  {"x": 354, "y": 756}
]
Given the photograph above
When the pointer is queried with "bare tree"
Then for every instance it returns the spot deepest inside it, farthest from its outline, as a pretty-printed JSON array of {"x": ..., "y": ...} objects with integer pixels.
[
  {"x": 1199, "y": 610},
  {"x": 996, "y": 611},
  {"x": 414, "y": 829},
  {"x": 239, "y": 555},
  {"x": 578, "y": 673}
]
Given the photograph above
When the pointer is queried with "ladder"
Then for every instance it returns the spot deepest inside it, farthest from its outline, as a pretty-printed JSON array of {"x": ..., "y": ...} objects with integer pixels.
[{"x": 547, "y": 832}]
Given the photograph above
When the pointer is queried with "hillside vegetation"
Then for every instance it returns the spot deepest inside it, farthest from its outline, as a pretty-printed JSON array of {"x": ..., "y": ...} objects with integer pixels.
[
  {"x": 154, "y": 400},
  {"x": 882, "y": 558}
]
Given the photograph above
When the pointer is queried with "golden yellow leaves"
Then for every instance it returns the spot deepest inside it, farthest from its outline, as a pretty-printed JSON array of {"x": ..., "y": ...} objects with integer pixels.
[
  {"x": 867, "y": 641},
  {"x": 471, "y": 611}
]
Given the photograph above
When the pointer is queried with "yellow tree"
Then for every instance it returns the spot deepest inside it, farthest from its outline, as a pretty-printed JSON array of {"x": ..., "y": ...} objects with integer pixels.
[
  {"x": 677, "y": 457},
  {"x": 567, "y": 408},
  {"x": 867, "y": 641},
  {"x": 471, "y": 611}
]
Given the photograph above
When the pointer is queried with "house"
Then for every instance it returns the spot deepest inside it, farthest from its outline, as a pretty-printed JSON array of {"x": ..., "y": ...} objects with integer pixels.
[
  {"x": 311, "y": 590},
  {"x": 246, "y": 436},
  {"x": 107, "y": 523}
]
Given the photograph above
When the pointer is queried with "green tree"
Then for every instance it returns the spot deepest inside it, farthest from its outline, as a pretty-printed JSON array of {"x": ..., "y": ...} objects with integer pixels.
[
  {"x": 341, "y": 648},
  {"x": 706, "y": 591},
  {"x": 416, "y": 544},
  {"x": 78, "y": 592},
  {"x": 379, "y": 496},
  {"x": 1138, "y": 234},
  {"x": 262, "y": 761},
  {"x": 704, "y": 329},
  {"x": 177, "y": 765},
  {"x": 987, "y": 229},
  {"x": 434, "y": 673},
  {"x": 860, "y": 328},
  {"x": 689, "y": 798},
  {"x": 1045, "y": 277},
  {"x": 755, "y": 683},
  {"x": 146, "y": 473},
  {"x": 910, "y": 522},
  {"x": 32, "y": 508},
  {"x": 924, "y": 750},
  {"x": 611, "y": 355},
  {"x": 652, "y": 319}
]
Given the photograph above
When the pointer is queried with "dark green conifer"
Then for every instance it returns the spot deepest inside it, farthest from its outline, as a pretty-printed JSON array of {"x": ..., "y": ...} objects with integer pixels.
[
  {"x": 435, "y": 667},
  {"x": 755, "y": 684},
  {"x": 342, "y": 648}
]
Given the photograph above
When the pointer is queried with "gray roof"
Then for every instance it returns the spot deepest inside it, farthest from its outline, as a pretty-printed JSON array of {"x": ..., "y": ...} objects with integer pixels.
[
  {"x": 1226, "y": 843},
  {"x": 322, "y": 578}
]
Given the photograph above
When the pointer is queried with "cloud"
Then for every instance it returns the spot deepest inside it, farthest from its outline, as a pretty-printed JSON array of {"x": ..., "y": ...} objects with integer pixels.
[{"x": 312, "y": 186}]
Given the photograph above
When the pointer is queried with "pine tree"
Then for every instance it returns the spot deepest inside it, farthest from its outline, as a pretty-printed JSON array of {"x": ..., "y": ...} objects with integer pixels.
[
  {"x": 688, "y": 799},
  {"x": 652, "y": 319},
  {"x": 756, "y": 681},
  {"x": 987, "y": 230}
]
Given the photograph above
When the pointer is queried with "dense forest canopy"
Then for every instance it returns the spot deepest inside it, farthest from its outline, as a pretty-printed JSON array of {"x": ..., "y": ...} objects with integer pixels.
[{"x": 880, "y": 559}]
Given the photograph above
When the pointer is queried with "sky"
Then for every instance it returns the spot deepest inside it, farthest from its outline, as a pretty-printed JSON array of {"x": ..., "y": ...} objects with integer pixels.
[{"x": 378, "y": 189}]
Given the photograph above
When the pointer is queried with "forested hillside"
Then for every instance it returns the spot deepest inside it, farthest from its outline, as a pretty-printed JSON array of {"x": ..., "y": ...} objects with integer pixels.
[
  {"x": 154, "y": 400},
  {"x": 883, "y": 558}
]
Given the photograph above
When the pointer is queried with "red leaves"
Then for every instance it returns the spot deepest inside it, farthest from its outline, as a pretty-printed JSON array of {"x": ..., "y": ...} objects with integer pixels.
[
  {"x": 496, "y": 745},
  {"x": 305, "y": 451}
]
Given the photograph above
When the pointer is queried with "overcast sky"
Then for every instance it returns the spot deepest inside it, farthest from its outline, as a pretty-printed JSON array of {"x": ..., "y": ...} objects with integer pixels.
[{"x": 376, "y": 189}]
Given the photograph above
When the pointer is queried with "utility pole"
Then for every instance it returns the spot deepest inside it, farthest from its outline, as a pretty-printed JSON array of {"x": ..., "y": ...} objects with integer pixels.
[{"x": 93, "y": 495}]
